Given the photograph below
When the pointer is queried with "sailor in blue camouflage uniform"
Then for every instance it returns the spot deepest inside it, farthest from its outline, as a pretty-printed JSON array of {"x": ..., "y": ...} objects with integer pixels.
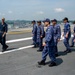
[
  {"x": 67, "y": 35},
  {"x": 73, "y": 39},
  {"x": 40, "y": 33},
  {"x": 48, "y": 45},
  {"x": 57, "y": 35},
  {"x": 3, "y": 30},
  {"x": 34, "y": 33}
]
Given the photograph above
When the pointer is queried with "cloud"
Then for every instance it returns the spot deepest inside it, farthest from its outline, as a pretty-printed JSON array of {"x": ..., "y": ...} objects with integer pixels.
[
  {"x": 59, "y": 10},
  {"x": 10, "y": 12},
  {"x": 40, "y": 12}
]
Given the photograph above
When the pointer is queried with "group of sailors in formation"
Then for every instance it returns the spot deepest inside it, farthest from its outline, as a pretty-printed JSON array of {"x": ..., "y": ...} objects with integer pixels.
[{"x": 51, "y": 36}]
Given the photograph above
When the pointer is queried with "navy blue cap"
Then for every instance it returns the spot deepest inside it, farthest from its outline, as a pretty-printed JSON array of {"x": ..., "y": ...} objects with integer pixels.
[
  {"x": 33, "y": 21},
  {"x": 54, "y": 20},
  {"x": 65, "y": 19},
  {"x": 46, "y": 20},
  {"x": 38, "y": 21}
]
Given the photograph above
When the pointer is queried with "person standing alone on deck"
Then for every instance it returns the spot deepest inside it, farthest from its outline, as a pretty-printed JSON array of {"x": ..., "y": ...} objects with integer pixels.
[{"x": 4, "y": 30}]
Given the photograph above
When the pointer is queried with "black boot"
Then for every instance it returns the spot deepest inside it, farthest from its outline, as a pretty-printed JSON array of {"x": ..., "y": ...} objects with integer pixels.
[
  {"x": 52, "y": 64},
  {"x": 67, "y": 51},
  {"x": 56, "y": 55},
  {"x": 39, "y": 50},
  {"x": 6, "y": 46},
  {"x": 41, "y": 63},
  {"x": 71, "y": 46},
  {"x": 34, "y": 47},
  {"x": 3, "y": 50}
]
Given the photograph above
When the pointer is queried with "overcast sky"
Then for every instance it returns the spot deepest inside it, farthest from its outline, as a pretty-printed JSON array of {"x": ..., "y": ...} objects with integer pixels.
[{"x": 37, "y": 9}]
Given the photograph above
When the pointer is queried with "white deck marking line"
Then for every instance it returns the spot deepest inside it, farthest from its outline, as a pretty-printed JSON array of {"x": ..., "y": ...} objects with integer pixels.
[
  {"x": 24, "y": 39},
  {"x": 22, "y": 48},
  {"x": 63, "y": 37},
  {"x": 16, "y": 49},
  {"x": 18, "y": 40}
]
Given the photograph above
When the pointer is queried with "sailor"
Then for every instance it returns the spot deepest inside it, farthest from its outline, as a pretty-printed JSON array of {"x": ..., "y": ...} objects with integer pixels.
[
  {"x": 73, "y": 39},
  {"x": 34, "y": 33},
  {"x": 40, "y": 33},
  {"x": 67, "y": 35},
  {"x": 48, "y": 45},
  {"x": 3, "y": 31},
  {"x": 57, "y": 35}
]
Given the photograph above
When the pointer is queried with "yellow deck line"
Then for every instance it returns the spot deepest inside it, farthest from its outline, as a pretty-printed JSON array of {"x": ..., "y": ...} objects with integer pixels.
[{"x": 19, "y": 32}]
